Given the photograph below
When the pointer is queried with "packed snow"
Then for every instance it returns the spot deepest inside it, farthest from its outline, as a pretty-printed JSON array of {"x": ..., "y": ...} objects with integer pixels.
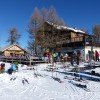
[{"x": 40, "y": 84}]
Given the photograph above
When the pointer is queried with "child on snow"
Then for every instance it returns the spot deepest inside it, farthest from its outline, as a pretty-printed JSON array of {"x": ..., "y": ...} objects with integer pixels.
[
  {"x": 13, "y": 68},
  {"x": 2, "y": 67}
]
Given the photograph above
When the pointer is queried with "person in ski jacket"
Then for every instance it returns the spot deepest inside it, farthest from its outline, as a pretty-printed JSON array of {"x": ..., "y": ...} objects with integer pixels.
[
  {"x": 13, "y": 67},
  {"x": 96, "y": 55},
  {"x": 54, "y": 57}
]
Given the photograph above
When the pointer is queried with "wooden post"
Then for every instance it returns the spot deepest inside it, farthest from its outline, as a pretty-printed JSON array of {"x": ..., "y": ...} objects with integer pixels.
[
  {"x": 12, "y": 60},
  {"x": 20, "y": 60},
  {"x": 30, "y": 61}
]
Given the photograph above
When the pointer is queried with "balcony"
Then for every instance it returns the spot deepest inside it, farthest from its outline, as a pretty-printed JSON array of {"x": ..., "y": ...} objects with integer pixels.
[
  {"x": 72, "y": 40},
  {"x": 77, "y": 39}
]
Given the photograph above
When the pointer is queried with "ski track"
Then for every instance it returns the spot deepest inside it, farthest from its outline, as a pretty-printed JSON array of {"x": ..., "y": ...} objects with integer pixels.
[{"x": 44, "y": 88}]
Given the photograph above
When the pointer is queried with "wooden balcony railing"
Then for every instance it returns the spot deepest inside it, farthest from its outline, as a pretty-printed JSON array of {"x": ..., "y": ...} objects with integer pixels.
[{"x": 75, "y": 39}]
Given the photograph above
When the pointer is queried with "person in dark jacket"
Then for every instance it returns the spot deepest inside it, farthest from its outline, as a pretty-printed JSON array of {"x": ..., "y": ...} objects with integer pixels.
[
  {"x": 77, "y": 57},
  {"x": 10, "y": 70},
  {"x": 72, "y": 59}
]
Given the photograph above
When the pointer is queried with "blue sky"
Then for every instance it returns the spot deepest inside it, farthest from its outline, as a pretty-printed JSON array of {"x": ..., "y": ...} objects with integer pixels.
[{"x": 76, "y": 13}]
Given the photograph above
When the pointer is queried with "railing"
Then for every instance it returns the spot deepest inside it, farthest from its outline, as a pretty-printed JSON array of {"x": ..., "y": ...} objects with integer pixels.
[
  {"x": 75, "y": 39},
  {"x": 20, "y": 59},
  {"x": 93, "y": 44}
]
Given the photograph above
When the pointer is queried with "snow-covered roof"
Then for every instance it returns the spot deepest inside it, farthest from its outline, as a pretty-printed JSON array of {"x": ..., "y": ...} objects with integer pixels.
[{"x": 66, "y": 28}]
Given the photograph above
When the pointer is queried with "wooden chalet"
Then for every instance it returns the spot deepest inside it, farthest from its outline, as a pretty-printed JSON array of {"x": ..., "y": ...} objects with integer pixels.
[
  {"x": 14, "y": 50},
  {"x": 63, "y": 39},
  {"x": 15, "y": 53}
]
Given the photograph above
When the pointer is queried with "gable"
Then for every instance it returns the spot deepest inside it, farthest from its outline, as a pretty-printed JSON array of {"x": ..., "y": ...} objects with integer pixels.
[{"x": 14, "y": 47}]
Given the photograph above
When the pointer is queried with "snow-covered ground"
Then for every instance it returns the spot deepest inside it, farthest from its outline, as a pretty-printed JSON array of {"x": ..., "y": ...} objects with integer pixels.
[
  {"x": 43, "y": 87},
  {"x": 97, "y": 70}
]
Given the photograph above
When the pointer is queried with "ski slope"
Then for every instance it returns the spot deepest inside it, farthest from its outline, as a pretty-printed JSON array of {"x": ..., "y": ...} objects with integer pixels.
[{"x": 43, "y": 86}]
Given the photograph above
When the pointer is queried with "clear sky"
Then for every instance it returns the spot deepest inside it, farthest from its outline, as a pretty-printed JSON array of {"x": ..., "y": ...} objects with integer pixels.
[{"x": 76, "y": 13}]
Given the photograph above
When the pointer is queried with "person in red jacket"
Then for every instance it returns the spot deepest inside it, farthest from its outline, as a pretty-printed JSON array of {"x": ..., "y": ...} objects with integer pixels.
[{"x": 96, "y": 55}]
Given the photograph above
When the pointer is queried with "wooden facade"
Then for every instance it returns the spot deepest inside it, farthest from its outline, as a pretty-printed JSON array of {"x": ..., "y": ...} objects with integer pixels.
[
  {"x": 63, "y": 39},
  {"x": 14, "y": 50},
  {"x": 59, "y": 37}
]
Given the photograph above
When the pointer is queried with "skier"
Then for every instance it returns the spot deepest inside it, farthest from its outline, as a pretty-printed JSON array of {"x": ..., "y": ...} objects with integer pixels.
[
  {"x": 89, "y": 53},
  {"x": 65, "y": 60},
  {"x": 77, "y": 59},
  {"x": 65, "y": 57},
  {"x": 96, "y": 55},
  {"x": 54, "y": 57},
  {"x": 72, "y": 58}
]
